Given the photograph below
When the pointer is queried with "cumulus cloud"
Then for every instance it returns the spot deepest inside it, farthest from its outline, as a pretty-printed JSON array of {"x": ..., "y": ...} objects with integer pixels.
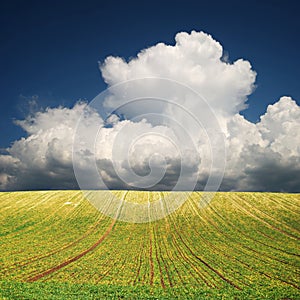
[
  {"x": 164, "y": 129},
  {"x": 195, "y": 61},
  {"x": 44, "y": 158}
]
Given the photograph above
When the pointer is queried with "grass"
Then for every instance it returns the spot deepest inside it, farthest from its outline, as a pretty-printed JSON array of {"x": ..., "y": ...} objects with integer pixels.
[
  {"x": 56, "y": 245},
  {"x": 60, "y": 291}
]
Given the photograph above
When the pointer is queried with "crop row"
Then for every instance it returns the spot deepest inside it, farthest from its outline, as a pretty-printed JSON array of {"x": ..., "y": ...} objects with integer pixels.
[{"x": 238, "y": 240}]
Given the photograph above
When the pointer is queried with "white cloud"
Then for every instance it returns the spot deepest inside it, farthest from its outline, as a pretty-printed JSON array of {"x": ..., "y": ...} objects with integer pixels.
[
  {"x": 281, "y": 127},
  {"x": 266, "y": 155},
  {"x": 147, "y": 143},
  {"x": 195, "y": 60},
  {"x": 44, "y": 158}
]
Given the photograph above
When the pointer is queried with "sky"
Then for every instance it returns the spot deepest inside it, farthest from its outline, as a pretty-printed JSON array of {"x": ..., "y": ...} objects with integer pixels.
[{"x": 50, "y": 54}]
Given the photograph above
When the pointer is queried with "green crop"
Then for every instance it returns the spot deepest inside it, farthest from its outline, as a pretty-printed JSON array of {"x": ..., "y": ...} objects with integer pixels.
[{"x": 56, "y": 245}]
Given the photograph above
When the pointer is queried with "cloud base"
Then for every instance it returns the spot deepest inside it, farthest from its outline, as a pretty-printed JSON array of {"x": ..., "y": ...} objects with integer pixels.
[{"x": 143, "y": 134}]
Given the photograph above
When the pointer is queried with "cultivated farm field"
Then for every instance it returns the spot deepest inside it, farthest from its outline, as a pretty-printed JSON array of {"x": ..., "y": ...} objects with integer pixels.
[{"x": 56, "y": 245}]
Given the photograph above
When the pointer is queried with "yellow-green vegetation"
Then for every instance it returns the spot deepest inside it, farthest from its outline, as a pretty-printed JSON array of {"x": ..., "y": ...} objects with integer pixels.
[{"x": 56, "y": 245}]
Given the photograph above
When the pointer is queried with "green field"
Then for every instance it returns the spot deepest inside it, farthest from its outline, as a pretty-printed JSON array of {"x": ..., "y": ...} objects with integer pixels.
[{"x": 56, "y": 245}]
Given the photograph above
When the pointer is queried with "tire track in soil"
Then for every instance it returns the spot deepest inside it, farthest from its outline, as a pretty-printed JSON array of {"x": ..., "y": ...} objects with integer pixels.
[
  {"x": 164, "y": 262},
  {"x": 157, "y": 254},
  {"x": 122, "y": 265},
  {"x": 185, "y": 258},
  {"x": 150, "y": 246},
  {"x": 192, "y": 260},
  {"x": 162, "y": 282},
  {"x": 264, "y": 221},
  {"x": 248, "y": 265},
  {"x": 157, "y": 250},
  {"x": 56, "y": 250},
  {"x": 208, "y": 265},
  {"x": 260, "y": 211},
  {"x": 51, "y": 253},
  {"x": 216, "y": 249},
  {"x": 261, "y": 272},
  {"x": 172, "y": 259},
  {"x": 151, "y": 260},
  {"x": 75, "y": 258},
  {"x": 211, "y": 268},
  {"x": 247, "y": 236},
  {"x": 247, "y": 248},
  {"x": 142, "y": 246},
  {"x": 80, "y": 255}
]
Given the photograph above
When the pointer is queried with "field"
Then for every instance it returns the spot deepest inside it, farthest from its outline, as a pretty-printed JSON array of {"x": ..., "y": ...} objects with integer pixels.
[{"x": 56, "y": 245}]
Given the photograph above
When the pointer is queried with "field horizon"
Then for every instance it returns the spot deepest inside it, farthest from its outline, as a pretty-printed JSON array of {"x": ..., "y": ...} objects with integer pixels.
[{"x": 56, "y": 244}]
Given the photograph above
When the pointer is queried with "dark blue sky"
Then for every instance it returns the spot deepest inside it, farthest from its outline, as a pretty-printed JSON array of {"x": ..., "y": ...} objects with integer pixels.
[{"x": 51, "y": 48}]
